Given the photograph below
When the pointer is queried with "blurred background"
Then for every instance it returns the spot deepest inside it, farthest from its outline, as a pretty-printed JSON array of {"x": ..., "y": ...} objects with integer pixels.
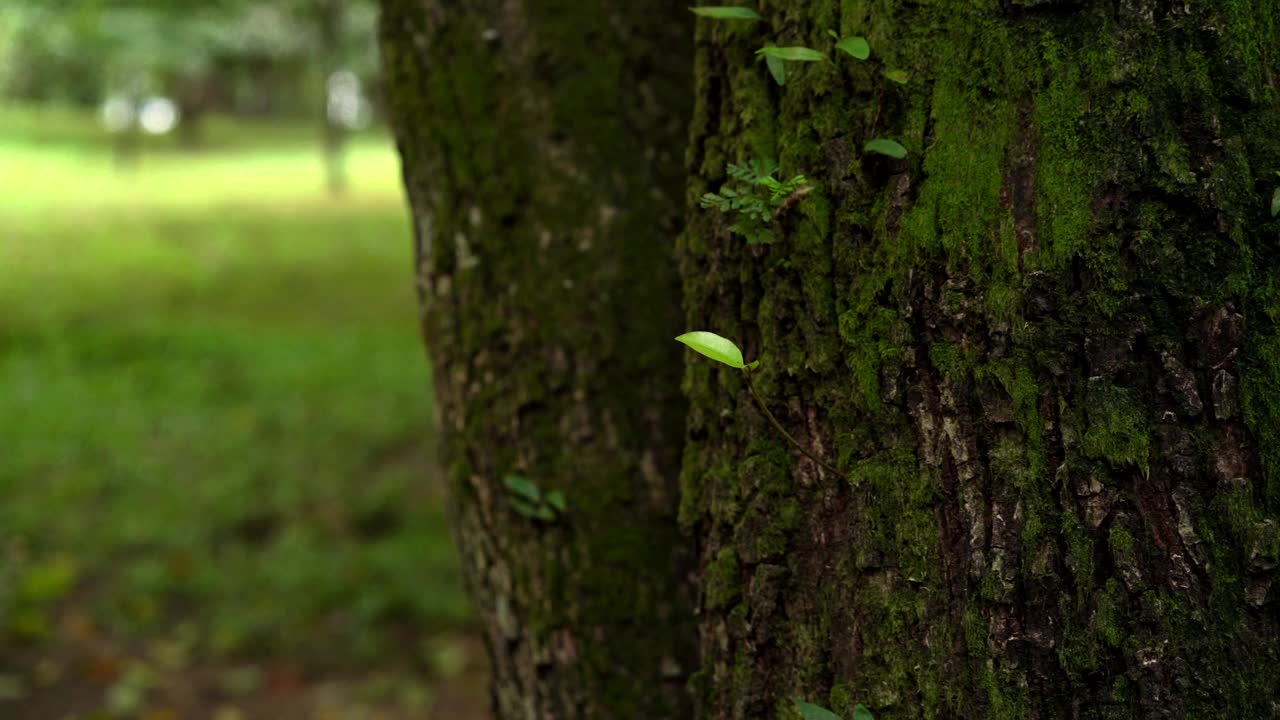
[{"x": 216, "y": 488}]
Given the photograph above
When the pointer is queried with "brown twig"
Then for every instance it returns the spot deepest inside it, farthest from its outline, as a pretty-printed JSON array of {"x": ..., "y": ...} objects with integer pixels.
[
  {"x": 875, "y": 124},
  {"x": 778, "y": 426}
]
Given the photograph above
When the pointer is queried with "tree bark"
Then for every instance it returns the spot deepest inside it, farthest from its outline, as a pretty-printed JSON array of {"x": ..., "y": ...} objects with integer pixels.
[
  {"x": 1043, "y": 348},
  {"x": 542, "y": 146}
]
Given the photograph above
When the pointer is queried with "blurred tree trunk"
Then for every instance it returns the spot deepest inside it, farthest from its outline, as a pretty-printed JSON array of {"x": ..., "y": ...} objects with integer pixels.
[
  {"x": 126, "y": 147},
  {"x": 193, "y": 95},
  {"x": 330, "y": 17},
  {"x": 542, "y": 148},
  {"x": 126, "y": 141},
  {"x": 1043, "y": 348}
]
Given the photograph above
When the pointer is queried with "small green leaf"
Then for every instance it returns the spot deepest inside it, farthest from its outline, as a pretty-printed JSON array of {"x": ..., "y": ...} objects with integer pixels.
[
  {"x": 813, "y": 712},
  {"x": 715, "y": 347},
  {"x": 555, "y": 499},
  {"x": 862, "y": 713},
  {"x": 856, "y": 46},
  {"x": 545, "y": 514},
  {"x": 802, "y": 54},
  {"x": 833, "y": 34},
  {"x": 902, "y": 77},
  {"x": 526, "y": 509},
  {"x": 886, "y": 147},
  {"x": 753, "y": 365},
  {"x": 726, "y": 13},
  {"x": 777, "y": 69},
  {"x": 712, "y": 200},
  {"x": 522, "y": 486},
  {"x": 762, "y": 168},
  {"x": 1275, "y": 203}
]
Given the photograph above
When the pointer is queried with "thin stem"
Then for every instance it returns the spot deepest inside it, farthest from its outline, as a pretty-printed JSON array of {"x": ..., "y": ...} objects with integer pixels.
[
  {"x": 778, "y": 426},
  {"x": 879, "y": 109}
]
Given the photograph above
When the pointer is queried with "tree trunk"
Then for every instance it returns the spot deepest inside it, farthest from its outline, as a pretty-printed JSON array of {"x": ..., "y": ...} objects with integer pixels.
[
  {"x": 542, "y": 147},
  {"x": 1043, "y": 348},
  {"x": 330, "y": 17},
  {"x": 194, "y": 94}
]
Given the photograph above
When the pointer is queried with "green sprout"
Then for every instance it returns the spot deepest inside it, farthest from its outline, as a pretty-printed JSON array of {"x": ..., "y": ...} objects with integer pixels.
[
  {"x": 528, "y": 499},
  {"x": 724, "y": 350},
  {"x": 755, "y": 199},
  {"x": 891, "y": 148}
]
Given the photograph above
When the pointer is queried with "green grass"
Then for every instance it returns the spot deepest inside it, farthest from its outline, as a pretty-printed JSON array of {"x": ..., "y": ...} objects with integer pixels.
[{"x": 214, "y": 405}]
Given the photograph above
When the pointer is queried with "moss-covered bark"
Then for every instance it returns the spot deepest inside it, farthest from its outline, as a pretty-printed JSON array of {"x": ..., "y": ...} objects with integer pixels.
[
  {"x": 542, "y": 144},
  {"x": 1044, "y": 348}
]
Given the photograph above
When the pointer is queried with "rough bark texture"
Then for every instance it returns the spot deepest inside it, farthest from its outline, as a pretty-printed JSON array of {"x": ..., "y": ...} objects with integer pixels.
[
  {"x": 542, "y": 146},
  {"x": 1044, "y": 348}
]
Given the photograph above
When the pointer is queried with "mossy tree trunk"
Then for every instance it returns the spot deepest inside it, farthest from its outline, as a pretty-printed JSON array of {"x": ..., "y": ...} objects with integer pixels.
[
  {"x": 542, "y": 146},
  {"x": 1043, "y": 347}
]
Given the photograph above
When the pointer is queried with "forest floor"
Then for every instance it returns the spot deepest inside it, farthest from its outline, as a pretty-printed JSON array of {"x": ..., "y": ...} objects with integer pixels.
[{"x": 218, "y": 496}]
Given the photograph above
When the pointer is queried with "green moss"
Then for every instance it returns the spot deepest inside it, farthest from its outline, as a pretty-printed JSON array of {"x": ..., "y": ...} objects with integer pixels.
[
  {"x": 1118, "y": 429},
  {"x": 906, "y": 684},
  {"x": 1080, "y": 554},
  {"x": 1110, "y": 623},
  {"x": 1018, "y": 379},
  {"x": 723, "y": 580},
  {"x": 1009, "y": 464},
  {"x": 692, "y": 485},
  {"x": 773, "y": 539},
  {"x": 1003, "y": 692},
  {"x": 867, "y": 346},
  {"x": 947, "y": 358},
  {"x": 701, "y": 684},
  {"x": 965, "y": 166},
  {"x": 726, "y": 495},
  {"x": 975, "y": 633},
  {"x": 1072, "y": 160},
  {"x": 1260, "y": 390},
  {"x": 1122, "y": 544},
  {"x": 902, "y": 517}
]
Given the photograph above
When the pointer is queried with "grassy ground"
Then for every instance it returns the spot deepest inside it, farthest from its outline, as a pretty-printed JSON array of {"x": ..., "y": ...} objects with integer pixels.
[{"x": 214, "y": 413}]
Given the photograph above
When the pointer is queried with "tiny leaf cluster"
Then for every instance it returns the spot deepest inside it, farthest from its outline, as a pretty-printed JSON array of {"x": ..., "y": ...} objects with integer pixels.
[
  {"x": 754, "y": 197},
  {"x": 855, "y": 46},
  {"x": 753, "y": 212},
  {"x": 528, "y": 499}
]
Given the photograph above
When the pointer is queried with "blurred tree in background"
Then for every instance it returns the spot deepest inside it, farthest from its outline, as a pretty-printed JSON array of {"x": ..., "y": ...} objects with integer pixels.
[{"x": 272, "y": 58}]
